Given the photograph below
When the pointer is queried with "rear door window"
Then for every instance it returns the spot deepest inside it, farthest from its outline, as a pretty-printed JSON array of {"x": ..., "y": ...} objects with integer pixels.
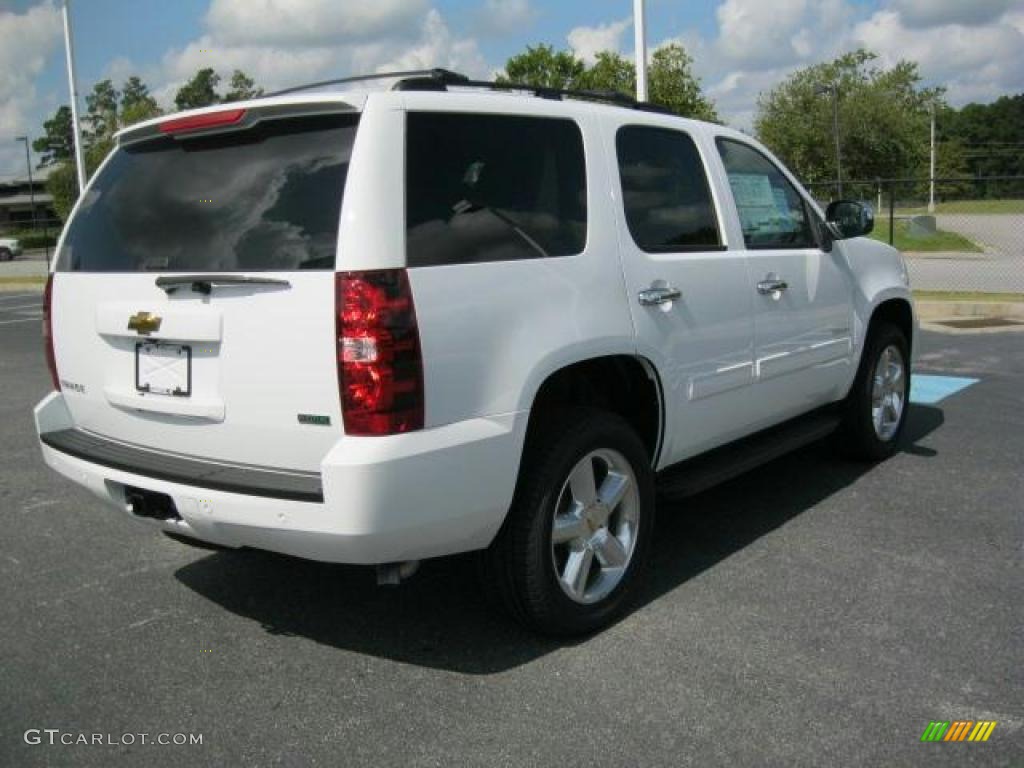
[
  {"x": 665, "y": 191},
  {"x": 484, "y": 188},
  {"x": 263, "y": 199}
]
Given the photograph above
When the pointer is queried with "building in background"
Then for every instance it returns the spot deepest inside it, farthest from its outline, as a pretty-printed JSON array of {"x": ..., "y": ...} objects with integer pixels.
[{"x": 16, "y": 197}]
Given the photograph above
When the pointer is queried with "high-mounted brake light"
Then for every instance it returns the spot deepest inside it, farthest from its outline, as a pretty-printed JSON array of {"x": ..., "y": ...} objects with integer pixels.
[
  {"x": 201, "y": 122},
  {"x": 51, "y": 358},
  {"x": 380, "y": 366}
]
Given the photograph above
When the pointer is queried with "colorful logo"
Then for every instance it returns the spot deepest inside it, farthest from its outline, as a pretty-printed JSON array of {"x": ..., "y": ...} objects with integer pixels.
[{"x": 958, "y": 730}]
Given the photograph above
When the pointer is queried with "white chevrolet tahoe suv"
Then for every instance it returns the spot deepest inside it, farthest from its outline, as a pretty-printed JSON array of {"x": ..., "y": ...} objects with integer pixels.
[{"x": 381, "y": 325}]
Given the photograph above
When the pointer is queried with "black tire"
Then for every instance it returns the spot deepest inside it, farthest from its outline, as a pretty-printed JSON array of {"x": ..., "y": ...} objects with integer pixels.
[
  {"x": 6, "y": 255},
  {"x": 857, "y": 436},
  {"x": 520, "y": 566}
]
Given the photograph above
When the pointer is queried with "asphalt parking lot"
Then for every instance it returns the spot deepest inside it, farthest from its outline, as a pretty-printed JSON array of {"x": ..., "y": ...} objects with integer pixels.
[{"x": 813, "y": 612}]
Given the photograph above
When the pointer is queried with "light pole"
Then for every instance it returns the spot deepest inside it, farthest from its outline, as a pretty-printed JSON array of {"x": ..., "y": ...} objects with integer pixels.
[
  {"x": 833, "y": 89},
  {"x": 931, "y": 176},
  {"x": 76, "y": 129},
  {"x": 640, "y": 39},
  {"x": 31, "y": 186}
]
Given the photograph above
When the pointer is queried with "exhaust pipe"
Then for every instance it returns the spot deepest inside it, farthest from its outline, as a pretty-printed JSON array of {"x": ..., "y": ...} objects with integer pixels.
[{"x": 393, "y": 574}]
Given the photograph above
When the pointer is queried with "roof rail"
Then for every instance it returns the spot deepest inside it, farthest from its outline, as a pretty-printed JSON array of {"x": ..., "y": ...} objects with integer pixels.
[
  {"x": 440, "y": 76},
  {"x": 439, "y": 79}
]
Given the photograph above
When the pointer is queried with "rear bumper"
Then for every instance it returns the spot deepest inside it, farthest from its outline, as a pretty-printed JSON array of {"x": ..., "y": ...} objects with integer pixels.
[{"x": 385, "y": 499}]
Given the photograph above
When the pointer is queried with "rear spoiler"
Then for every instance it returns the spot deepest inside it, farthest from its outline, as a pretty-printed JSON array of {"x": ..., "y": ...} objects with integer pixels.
[{"x": 226, "y": 118}]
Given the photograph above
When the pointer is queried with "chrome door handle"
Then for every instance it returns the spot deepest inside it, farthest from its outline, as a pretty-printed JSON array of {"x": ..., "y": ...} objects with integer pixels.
[
  {"x": 772, "y": 285},
  {"x": 649, "y": 297}
]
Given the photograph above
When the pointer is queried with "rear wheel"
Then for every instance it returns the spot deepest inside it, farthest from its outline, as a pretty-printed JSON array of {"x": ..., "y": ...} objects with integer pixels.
[
  {"x": 876, "y": 409},
  {"x": 569, "y": 556},
  {"x": 6, "y": 255}
]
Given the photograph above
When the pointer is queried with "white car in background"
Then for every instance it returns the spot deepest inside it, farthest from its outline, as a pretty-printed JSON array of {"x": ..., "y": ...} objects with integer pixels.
[
  {"x": 377, "y": 326},
  {"x": 10, "y": 248}
]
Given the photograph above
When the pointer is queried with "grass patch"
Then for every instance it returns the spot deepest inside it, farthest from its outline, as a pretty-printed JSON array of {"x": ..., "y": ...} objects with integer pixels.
[
  {"x": 941, "y": 240},
  {"x": 967, "y": 296},
  {"x": 969, "y": 206},
  {"x": 22, "y": 280}
]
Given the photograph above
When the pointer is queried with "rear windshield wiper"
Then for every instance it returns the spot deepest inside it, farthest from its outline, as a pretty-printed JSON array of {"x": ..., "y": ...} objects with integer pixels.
[
  {"x": 206, "y": 283},
  {"x": 465, "y": 206}
]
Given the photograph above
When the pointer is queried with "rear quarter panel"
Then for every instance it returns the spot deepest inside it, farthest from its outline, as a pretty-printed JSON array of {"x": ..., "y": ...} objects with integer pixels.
[{"x": 492, "y": 333}]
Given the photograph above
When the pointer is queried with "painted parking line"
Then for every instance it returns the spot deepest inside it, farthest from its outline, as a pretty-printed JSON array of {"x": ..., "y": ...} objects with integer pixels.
[
  {"x": 928, "y": 390},
  {"x": 15, "y": 307},
  {"x": 22, "y": 320}
]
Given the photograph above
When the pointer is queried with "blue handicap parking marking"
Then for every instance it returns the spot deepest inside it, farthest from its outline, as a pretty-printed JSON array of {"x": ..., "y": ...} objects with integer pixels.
[{"x": 928, "y": 390}]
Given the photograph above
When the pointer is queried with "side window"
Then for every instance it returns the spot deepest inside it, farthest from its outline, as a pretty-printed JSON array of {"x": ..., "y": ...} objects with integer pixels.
[
  {"x": 665, "y": 191},
  {"x": 483, "y": 188},
  {"x": 772, "y": 213}
]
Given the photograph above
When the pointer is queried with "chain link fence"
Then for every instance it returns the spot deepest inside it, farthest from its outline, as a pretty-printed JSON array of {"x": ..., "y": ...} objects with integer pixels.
[{"x": 971, "y": 240}]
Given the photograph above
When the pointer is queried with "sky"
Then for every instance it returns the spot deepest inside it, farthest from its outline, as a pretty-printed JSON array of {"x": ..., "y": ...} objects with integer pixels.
[{"x": 975, "y": 48}]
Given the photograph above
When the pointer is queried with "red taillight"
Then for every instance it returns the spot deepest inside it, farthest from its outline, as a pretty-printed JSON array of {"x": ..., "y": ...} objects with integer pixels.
[
  {"x": 51, "y": 359},
  {"x": 200, "y": 122},
  {"x": 380, "y": 368}
]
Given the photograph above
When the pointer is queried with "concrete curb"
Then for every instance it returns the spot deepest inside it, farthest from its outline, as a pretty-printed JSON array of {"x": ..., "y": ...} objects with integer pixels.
[
  {"x": 930, "y": 309},
  {"x": 36, "y": 286},
  {"x": 932, "y": 313}
]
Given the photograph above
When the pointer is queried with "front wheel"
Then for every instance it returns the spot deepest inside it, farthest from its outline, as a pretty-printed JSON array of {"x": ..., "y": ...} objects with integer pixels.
[
  {"x": 876, "y": 409},
  {"x": 568, "y": 559},
  {"x": 6, "y": 255}
]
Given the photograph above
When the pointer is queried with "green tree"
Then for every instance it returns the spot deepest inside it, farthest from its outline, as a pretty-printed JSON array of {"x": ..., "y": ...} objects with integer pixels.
[
  {"x": 242, "y": 87},
  {"x": 107, "y": 111},
  {"x": 992, "y": 137},
  {"x": 101, "y": 117},
  {"x": 57, "y": 142},
  {"x": 62, "y": 182},
  {"x": 136, "y": 102},
  {"x": 200, "y": 91},
  {"x": 672, "y": 84},
  {"x": 543, "y": 67},
  {"x": 883, "y": 119},
  {"x": 610, "y": 72}
]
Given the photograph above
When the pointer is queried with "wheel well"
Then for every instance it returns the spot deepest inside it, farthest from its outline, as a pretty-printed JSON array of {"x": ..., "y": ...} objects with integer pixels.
[
  {"x": 897, "y": 312},
  {"x": 621, "y": 384}
]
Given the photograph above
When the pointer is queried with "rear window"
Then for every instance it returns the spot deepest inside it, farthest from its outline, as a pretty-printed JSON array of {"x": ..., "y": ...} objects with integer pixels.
[
  {"x": 483, "y": 188},
  {"x": 264, "y": 199}
]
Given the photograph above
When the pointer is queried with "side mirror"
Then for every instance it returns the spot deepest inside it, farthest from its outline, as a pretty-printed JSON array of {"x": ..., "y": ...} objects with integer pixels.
[{"x": 846, "y": 219}]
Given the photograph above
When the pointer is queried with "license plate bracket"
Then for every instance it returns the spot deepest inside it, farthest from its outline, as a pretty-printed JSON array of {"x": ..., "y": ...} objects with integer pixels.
[{"x": 163, "y": 369}]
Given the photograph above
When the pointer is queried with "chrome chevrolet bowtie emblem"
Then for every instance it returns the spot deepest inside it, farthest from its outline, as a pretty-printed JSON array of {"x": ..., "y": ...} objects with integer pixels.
[{"x": 144, "y": 323}]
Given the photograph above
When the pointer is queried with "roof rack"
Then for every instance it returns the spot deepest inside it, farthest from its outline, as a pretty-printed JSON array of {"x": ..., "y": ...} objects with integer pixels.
[
  {"x": 435, "y": 75},
  {"x": 440, "y": 79}
]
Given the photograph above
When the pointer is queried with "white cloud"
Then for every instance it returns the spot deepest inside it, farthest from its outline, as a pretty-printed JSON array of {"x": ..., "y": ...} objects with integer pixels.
[
  {"x": 309, "y": 22},
  {"x": 26, "y": 40},
  {"x": 757, "y": 31},
  {"x": 759, "y": 34},
  {"x": 438, "y": 48},
  {"x": 973, "y": 62},
  {"x": 497, "y": 18},
  {"x": 262, "y": 38},
  {"x": 971, "y": 46},
  {"x": 587, "y": 42},
  {"x": 932, "y": 13}
]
